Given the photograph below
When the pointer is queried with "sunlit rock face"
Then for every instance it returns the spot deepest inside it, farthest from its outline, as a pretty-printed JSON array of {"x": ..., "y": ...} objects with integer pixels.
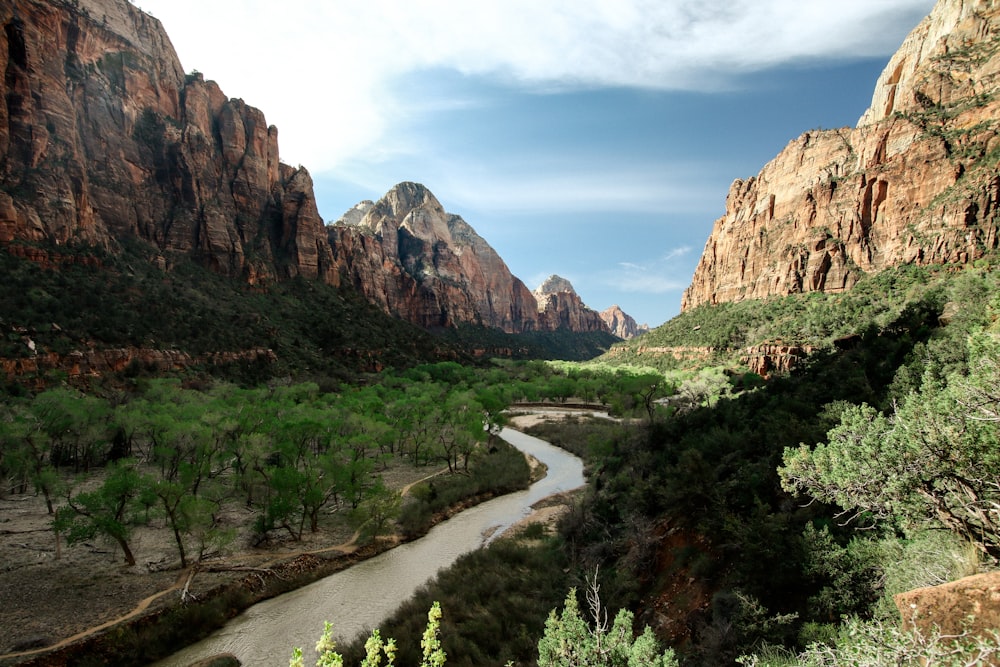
[
  {"x": 917, "y": 181},
  {"x": 103, "y": 137},
  {"x": 621, "y": 323},
  {"x": 422, "y": 264}
]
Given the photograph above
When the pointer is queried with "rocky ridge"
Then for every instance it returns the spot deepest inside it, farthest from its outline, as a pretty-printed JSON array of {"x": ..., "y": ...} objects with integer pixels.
[
  {"x": 560, "y": 307},
  {"x": 408, "y": 255},
  {"x": 917, "y": 181},
  {"x": 419, "y": 262}
]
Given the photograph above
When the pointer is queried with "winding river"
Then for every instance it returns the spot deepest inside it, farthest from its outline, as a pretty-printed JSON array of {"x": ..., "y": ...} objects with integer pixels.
[{"x": 362, "y": 596}]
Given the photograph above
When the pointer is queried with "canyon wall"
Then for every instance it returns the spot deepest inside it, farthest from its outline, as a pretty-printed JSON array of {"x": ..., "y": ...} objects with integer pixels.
[
  {"x": 103, "y": 138},
  {"x": 917, "y": 181}
]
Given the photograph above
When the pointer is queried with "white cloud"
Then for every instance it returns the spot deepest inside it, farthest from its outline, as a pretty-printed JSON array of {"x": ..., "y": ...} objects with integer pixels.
[
  {"x": 667, "y": 273},
  {"x": 323, "y": 70}
]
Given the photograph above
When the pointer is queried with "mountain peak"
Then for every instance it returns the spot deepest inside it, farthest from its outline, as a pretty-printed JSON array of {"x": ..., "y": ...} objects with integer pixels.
[
  {"x": 621, "y": 323},
  {"x": 553, "y": 285}
]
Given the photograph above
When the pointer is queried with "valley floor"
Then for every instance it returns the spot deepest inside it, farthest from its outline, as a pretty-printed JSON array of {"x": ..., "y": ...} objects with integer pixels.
[
  {"x": 52, "y": 596},
  {"x": 48, "y": 599}
]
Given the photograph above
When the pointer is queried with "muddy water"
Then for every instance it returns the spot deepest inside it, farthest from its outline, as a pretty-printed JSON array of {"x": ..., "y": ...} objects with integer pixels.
[{"x": 362, "y": 596}]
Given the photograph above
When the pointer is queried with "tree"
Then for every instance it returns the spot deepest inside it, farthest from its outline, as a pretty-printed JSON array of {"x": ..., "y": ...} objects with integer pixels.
[
  {"x": 375, "y": 647},
  {"x": 109, "y": 510},
  {"x": 25, "y": 453},
  {"x": 569, "y": 641},
  {"x": 935, "y": 460},
  {"x": 381, "y": 507}
]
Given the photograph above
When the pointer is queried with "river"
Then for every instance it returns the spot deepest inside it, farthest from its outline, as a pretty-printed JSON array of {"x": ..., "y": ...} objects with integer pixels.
[{"x": 362, "y": 596}]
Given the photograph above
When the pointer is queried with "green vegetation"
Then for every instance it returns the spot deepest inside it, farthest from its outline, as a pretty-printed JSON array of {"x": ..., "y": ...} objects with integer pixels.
[
  {"x": 908, "y": 412},
  {"x": 569, "y": 640},
  {"x": 710, "y": 503},
  {"x": 316, "y": 332},
  {"x": 876, "y": 304}
]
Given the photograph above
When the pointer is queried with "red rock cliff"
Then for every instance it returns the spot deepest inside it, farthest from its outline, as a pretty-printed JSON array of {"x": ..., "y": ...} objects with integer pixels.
[
  {"x": 102, "y": 136},
  {"x": 917, "y": 181}
]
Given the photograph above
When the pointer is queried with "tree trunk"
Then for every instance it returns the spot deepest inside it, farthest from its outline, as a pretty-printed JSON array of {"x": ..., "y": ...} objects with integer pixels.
[{"x": 129, "y": 558}]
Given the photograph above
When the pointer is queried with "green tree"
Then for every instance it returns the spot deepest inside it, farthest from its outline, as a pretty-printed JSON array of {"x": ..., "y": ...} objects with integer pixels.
[
  {"x": 108, "y": 511},
  {"x": 376, "y": 647},
  {"x": 934, "y": 461},
  {"x": 26, "y": 455}
]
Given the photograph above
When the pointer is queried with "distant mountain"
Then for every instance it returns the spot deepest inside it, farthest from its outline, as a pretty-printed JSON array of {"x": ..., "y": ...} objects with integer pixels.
[
  {"x": 621, "y": 323},
  {"x": 916, "y": 182},
  {"x": 560, "y": 307},
  {"x": 427, "y": 266}
]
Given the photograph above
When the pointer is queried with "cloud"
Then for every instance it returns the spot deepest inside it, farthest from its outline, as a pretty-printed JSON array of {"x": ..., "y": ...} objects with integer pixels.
[
  {"x": 666, "y": 273},
  {"x": 324, "y": 71}
]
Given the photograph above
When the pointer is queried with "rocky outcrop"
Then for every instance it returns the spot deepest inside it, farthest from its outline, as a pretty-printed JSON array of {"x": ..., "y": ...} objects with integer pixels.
[
  {"x": 765, "y": 359},
  {"x": 621, "y": 323},
  {"x": 970, "y": 605},
  {"x": 103, "y": 137},
  {"x": 917, "y": 181},
  {"x": 429, "y": 267},
  {"x": 560, "y": 307},
  {"x": 92, "y": 362},
  {"x": 769, "y": 358}
]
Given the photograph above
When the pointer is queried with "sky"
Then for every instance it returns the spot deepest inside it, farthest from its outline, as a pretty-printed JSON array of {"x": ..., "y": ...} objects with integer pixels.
[{"x": 592, "y": 139}]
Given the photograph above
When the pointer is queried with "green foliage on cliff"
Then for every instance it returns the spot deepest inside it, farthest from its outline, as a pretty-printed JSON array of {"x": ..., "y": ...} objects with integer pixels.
[
  {"x": 877, "y": 303},
  {"x": 313, "y": 329}
]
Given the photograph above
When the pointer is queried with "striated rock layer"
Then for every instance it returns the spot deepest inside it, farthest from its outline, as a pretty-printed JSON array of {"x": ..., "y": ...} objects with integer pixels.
[{"x": 917, "y": 181}]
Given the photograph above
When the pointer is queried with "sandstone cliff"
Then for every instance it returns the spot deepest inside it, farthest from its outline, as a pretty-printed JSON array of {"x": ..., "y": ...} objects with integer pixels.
[
  {"x": 560, "y": 307},
  {"x": 103, "y": 137},
  {"x": 917, "y": 181},
  {"x": 621, "y": 323}
]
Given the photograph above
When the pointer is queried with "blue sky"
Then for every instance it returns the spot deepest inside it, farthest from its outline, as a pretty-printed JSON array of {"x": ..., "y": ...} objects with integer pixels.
[{"x": 594, "y": 139}]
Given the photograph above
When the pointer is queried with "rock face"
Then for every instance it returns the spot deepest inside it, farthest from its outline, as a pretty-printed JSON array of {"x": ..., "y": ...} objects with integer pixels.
[
  {"x": 621, "y": 323},
  {"x": 429, "y": 267},
  {"x": 917, "y": 181},
  {"x": 560, "y": 307},
  {"x": 103, "y": 137}
]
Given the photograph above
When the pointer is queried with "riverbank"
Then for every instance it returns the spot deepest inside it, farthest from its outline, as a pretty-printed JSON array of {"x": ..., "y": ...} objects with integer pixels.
[{"x": 141, "y": 613}]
